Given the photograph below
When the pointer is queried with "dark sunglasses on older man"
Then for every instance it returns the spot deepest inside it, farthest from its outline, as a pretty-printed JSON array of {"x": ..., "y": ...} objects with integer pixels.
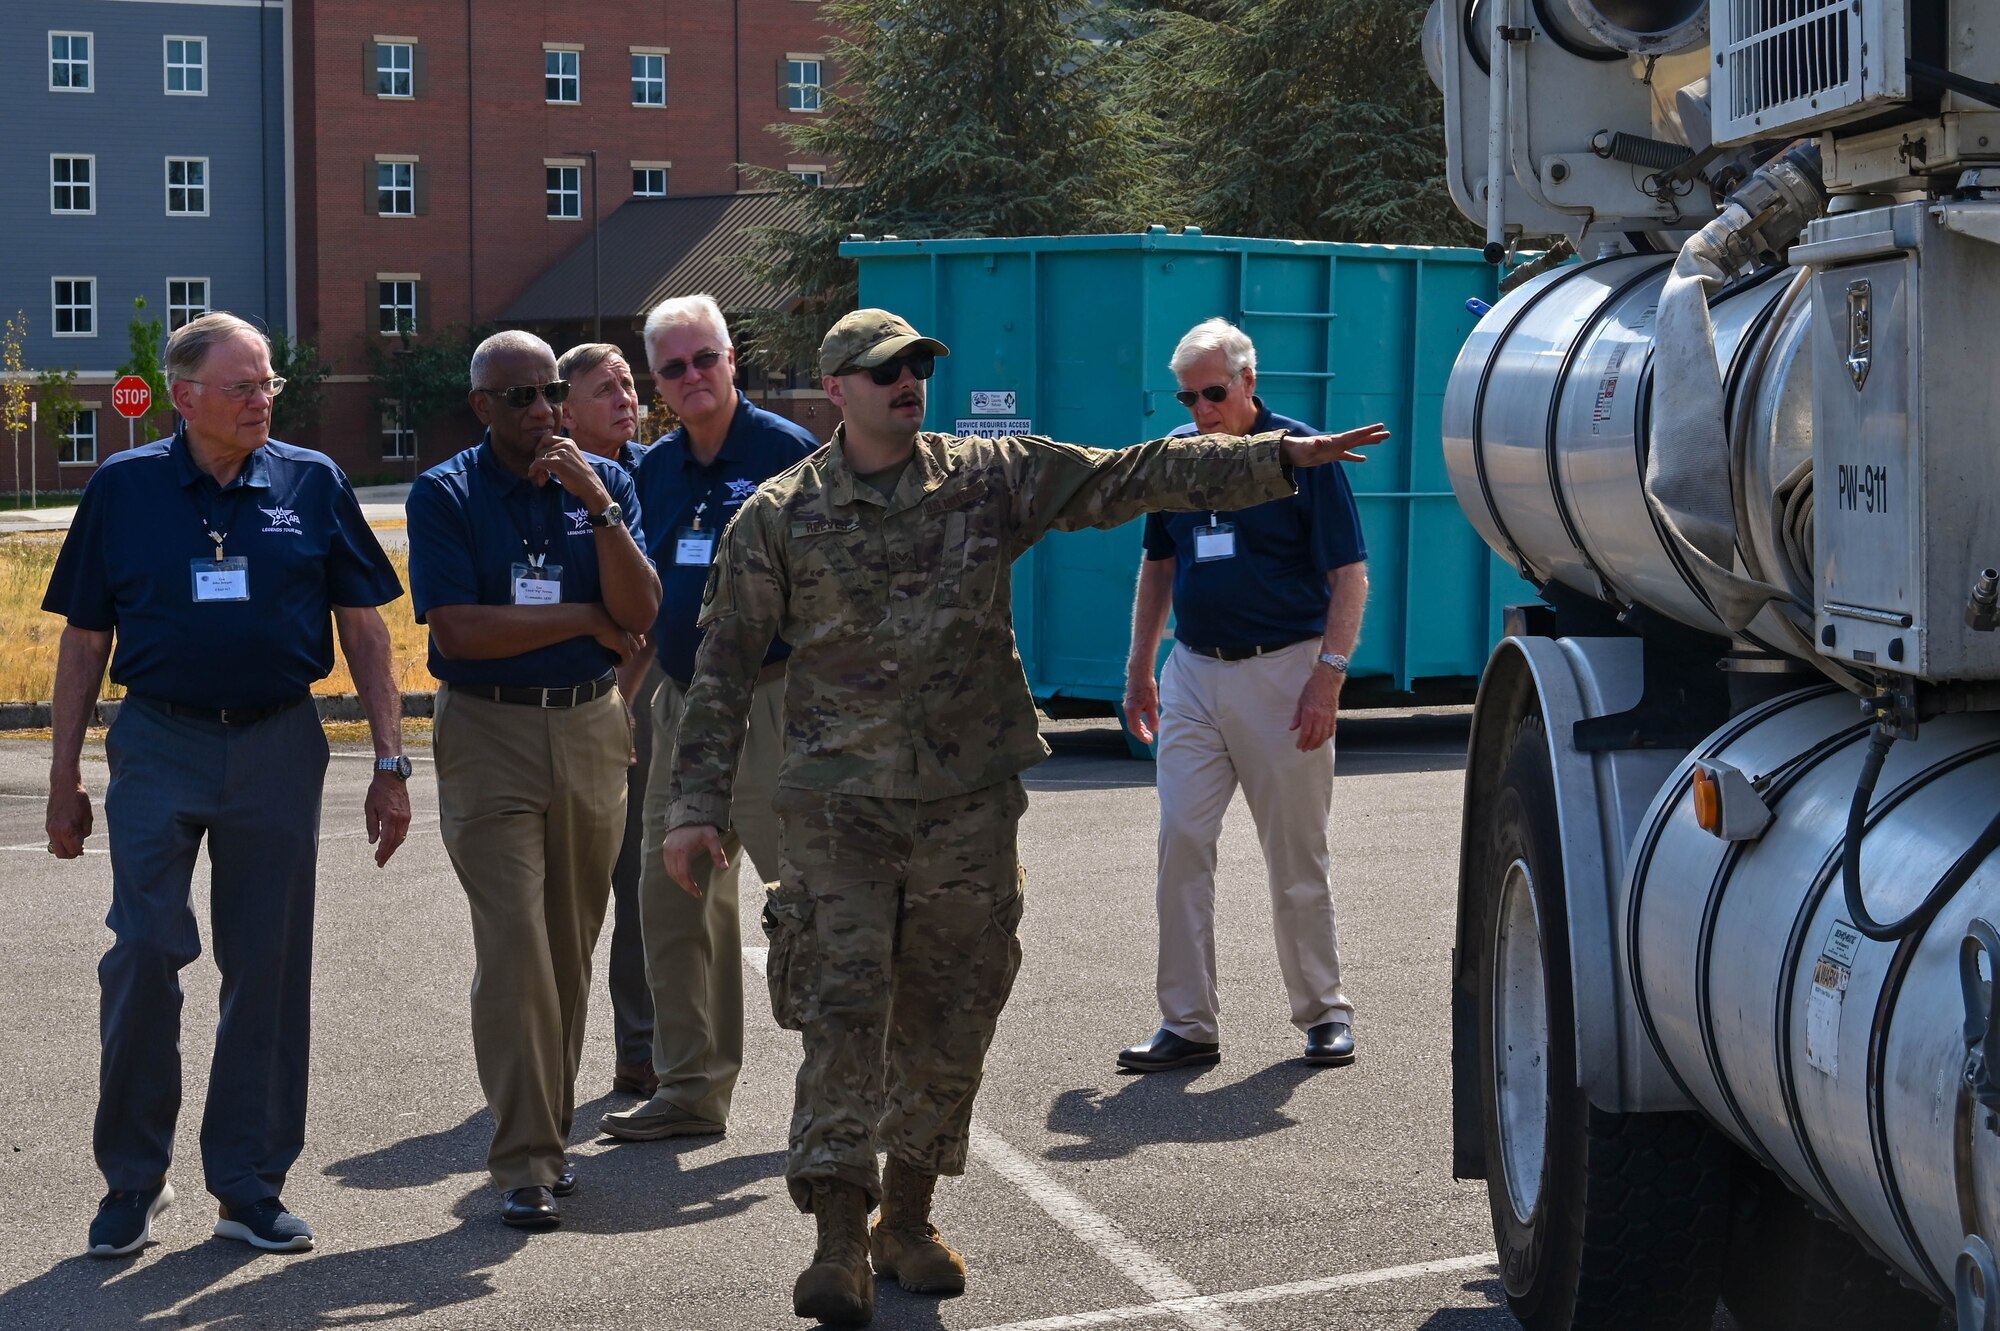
[
  {"x": 922, "y": 364},
  {"x": 701, "y": 360},
  {"x": 521, "y": 396},
  {"x": 1214, "y": 393}
]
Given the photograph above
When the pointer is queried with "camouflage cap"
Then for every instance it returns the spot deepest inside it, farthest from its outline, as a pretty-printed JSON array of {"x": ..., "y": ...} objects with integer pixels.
[{"x": 869, "y": 337}]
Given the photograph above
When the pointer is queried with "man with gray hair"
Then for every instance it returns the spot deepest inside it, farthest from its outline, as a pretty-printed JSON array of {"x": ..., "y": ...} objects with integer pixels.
[
  {"x": 1267, "y": 604},
  {"x": 692, "y": 482},
  {"x": 527, "y": 563},
  {"x": 204, "y": 568}
]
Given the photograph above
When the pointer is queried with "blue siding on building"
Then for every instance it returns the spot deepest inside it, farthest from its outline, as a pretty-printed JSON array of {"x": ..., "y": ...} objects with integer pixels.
[{"x": 131, "y": 125}]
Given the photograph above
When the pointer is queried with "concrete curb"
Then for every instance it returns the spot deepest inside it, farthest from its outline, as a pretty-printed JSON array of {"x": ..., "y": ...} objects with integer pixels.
[{"x": 332, "y": 707}]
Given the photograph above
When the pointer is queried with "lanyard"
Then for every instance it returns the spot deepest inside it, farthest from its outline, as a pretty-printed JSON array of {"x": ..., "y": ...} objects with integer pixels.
[
  {"x": 535, "y": 539},
  {"x": 699, "y": 509}
]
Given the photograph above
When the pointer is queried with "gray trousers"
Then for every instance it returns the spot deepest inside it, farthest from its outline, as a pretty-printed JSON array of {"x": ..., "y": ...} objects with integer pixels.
[
  {"x": 631, "y": 996},
  {"x": 254, "y": 792}
]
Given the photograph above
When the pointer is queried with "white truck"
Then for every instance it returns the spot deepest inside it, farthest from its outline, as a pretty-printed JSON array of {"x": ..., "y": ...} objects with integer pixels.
[{"x": 1724, "y": 1012}]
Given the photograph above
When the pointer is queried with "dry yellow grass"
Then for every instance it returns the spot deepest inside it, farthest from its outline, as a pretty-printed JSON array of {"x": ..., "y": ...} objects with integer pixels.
[{"x": 29, "y": 635}]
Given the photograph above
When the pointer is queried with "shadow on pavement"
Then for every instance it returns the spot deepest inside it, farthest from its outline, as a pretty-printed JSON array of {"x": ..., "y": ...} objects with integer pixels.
[
  {"x": 418, "y": 1162},
  {"x": 1163, "y": 1107},
  {"x": 1490, "y": 1318}
]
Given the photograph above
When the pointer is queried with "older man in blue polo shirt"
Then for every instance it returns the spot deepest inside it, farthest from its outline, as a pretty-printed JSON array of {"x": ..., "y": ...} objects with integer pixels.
[
  {"x": 1267, "y": 605},
  {"x": 692, "y": 482},
  {"x": 526, "y": 561},
  {"x": 203, "y": 568}
]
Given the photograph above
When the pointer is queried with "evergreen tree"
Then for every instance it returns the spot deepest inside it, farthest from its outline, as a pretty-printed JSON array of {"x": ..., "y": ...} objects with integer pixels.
[
  {"x": 954, "y": 118},
  {"x": 1304, "y": 119}
]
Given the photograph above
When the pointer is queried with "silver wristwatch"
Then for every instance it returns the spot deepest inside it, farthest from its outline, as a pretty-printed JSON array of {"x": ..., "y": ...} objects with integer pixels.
[
  {"x": 398, "y": 767},
  {"x": 1334, "y": 659}
]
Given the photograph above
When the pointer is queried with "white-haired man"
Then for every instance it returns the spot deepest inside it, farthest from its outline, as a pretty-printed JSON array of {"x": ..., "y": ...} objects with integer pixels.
[
  {"x": 692, "y": 482},
  {"x": 1267, "y": 604},
  {"x": 527, "y": 562}
]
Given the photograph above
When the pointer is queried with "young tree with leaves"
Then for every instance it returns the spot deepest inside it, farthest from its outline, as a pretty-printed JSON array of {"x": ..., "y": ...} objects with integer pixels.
[
  {"x": 296, "y": 410},
  {"x": 147, "y": 345},
  {"x": 55, "y": 394},
  {"x": 14, "y": 390}
]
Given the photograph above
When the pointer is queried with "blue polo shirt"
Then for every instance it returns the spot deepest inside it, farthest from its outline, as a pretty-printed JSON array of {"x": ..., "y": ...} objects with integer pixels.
[
  {"x": 672, "y": 485},
  {"x": 126, "y": 567},
  {"x": 471, "y": 521},
  {"x": 630, "y": 454},
  {"x": 1274, "y": 590}
]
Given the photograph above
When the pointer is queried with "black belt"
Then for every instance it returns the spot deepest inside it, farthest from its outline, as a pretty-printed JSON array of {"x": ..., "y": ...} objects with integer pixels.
[
  {"x": 228, "y": 716},
  {"x": 1243, "y": 653},
  {"x": 570, "y": 697}
]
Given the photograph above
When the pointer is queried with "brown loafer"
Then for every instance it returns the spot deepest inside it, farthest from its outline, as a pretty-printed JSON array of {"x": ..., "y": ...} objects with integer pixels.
[{"x": 635, "y": 1078}]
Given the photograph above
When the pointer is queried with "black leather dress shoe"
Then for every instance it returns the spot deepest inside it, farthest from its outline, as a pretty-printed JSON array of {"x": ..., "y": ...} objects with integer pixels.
[
  {"x": 1167, "y": 1050},
  {"x": 1331, "y": 1043},
  {"x": 530, "y": 1208},
  {"x": 565, "y": 1183}
]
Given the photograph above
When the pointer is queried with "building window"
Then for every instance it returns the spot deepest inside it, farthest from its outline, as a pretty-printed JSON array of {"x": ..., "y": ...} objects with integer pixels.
[
  {"x": 187, "y": 66},
  {"x": 649, "y": 182},
  {"x": 649, "y": 78},
  {"x": 561, "y": 80},
  {"x": 565, "y": 188},
  {"x": 801, "y": 84},
  {"x": 74, "y": 306},
  {"x": 187, "y": 298},
  {"x": 396, "y": 303},
  {"x": 395, "y": 70},
  {"x": 811, "y": 175},
  {"x": 187, "y": 186},
  {"x": 396, "y": 189},
  {"x": 70, "y": 180},
  {"x": 69, "y": 62},
  {"x": 397, "y": 442},
  {"x": 78, "y": 448}
]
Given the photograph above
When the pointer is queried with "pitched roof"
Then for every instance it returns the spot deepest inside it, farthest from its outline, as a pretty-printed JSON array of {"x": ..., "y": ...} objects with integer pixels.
[{"x": 656, "y": 248}]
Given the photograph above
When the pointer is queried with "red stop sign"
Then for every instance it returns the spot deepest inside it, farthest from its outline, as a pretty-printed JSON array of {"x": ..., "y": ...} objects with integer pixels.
[{"x": 131, "y": 397}]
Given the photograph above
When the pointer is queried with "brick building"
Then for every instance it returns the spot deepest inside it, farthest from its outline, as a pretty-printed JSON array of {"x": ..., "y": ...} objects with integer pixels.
[{"x": 444, "y": 160}]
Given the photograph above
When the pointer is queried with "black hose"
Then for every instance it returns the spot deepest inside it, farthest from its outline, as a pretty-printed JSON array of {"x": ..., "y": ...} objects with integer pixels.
[{"x": 1954, "y": 878}]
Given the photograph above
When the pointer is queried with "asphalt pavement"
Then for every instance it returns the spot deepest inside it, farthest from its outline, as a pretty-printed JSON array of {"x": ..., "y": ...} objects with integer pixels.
[{"x": 1259, "y": 1194}]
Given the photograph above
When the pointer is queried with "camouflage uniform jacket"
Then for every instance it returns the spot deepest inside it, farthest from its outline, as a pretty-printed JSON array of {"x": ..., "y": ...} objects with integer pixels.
[{"x": 904, "y": 681}]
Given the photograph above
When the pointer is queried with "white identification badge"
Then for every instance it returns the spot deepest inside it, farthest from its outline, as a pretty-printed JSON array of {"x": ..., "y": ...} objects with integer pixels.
[
  {"x": 693, "y": 546},
  {"x": 1215, "y": 541},
  {"x": 221, "y": 579},
  {"x": 537, "y": 584}
]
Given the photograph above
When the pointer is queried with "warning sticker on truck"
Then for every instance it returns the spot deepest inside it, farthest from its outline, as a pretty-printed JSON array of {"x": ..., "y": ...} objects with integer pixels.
[{"x": 1831, "y": 973}]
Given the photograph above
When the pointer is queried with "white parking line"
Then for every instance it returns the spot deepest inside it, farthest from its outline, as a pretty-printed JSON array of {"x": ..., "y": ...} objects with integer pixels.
[{"x": 1214, "y": 1303}]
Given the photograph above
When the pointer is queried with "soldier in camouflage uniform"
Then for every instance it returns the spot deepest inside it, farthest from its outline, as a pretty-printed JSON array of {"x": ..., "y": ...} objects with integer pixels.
[{"x": 884, "y": 560}]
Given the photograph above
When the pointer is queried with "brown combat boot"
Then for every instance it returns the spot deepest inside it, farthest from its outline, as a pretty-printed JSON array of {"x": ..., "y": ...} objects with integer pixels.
[
  {"x": 838, "y": 1287},
  {"x": 905, "y": 1244}
]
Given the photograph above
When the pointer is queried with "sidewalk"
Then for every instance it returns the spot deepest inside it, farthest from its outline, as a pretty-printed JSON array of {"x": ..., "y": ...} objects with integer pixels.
[{"x": 379, "y": 503}]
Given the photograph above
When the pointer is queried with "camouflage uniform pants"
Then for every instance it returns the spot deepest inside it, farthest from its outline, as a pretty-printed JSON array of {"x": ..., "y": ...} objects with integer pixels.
[{"x": 893, "y": 950}]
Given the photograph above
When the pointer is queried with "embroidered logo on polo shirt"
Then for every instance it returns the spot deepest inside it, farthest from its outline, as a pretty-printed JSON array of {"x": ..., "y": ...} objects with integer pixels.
[
  {"x": 741, "y": 490},
  {"x": 579, "y": 522},
  {"x": 282, "y": 520}
]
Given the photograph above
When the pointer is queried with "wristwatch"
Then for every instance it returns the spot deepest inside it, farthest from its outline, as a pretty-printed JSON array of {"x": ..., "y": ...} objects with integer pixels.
[
  {"x": 1334, "y": 659},
  {"x": 611, "y": 515},
  {"x": 398, "y": 767}
]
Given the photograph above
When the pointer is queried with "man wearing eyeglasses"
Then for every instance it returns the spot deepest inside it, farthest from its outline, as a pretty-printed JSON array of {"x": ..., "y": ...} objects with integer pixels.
[
  {"x": 527, "y": 563},
  {"x": 211, "y": 562},
  {"x": 884, "y": 561},
  {"x": 1267, "y": 603},
  {"x": 692, "y": 483}
]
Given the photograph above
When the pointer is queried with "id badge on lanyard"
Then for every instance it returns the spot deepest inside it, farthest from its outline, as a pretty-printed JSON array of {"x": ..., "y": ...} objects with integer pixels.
[
  {"x": 694, "y": 547},
  {"x": 537, "y": 582},
  {"x": 220, "y": 579},
  {"x": 1215, "y": 541}
]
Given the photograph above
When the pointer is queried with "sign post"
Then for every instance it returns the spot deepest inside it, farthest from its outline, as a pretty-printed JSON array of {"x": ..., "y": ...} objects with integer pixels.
[{"x": 131, "y": 397}]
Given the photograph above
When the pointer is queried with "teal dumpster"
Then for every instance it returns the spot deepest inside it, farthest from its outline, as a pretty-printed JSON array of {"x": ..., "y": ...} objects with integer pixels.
[{"x": 1069, "y": 336}]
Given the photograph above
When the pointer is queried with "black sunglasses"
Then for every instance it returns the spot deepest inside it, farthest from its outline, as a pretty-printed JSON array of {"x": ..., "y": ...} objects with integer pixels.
[
  {"x": 922, "y": 364},
  {"x": 521, "y": 396},
  {"x": 1214, "y": 393},
  {"x": 701, "y": 360}
]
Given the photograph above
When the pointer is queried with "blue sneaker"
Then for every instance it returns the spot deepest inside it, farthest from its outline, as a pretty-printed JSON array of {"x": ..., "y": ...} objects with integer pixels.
[
  {"x": 267, "y": 1225},
  {"x": 124, "y": 1222}
]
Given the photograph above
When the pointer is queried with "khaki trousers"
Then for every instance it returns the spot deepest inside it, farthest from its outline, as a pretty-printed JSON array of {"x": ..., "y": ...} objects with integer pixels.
[
  {"x": 1225, "y": 724},
  {"x": 694, "y": 945},
  {"x": 531, "y": 802}
]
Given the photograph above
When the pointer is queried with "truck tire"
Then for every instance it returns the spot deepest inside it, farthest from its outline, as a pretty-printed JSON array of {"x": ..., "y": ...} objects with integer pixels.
[
  {"x": 1795, "y": 1271},
  {"x": 1604, "y": 1222}
]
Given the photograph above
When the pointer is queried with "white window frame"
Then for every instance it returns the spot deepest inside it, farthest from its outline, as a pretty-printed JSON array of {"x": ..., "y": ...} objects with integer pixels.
[
  {"x": 54, "y": 306},
  {"x": 796, "y": 87},
  {"x": 570, "y": 186},
  {"x": 409, "y": 280},
  {"x": 90, "y": 184},
  {"x": 75, "y": 436},
  {"x": 659, "y": 53},
  {"x": 200, "y": 66},
  {"x": 89, "y": 61},
  {"x": 409, "y": 187},
  {"x": 204, "y": 187},
  {"x": 395, "y": 439},
  {"x": 811, "y": 173},
  {"x": 195, "y": 311},
  {"x": 574, "y": 76},
  {"x": 408, "y": 71},
  {"x": 666, "y": 171}
]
